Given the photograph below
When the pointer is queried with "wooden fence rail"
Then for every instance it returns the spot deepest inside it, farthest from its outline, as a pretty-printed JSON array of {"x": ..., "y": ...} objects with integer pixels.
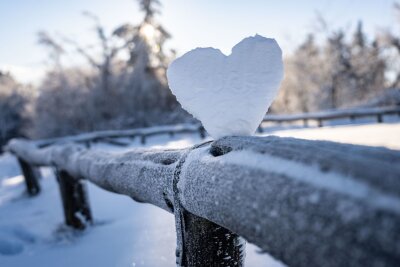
[
  {"x": 144, "y": 133},
  {"x": 322, "y": 116},
  {"x": 307, "y": 203},
  {"x": 110, "y": 135}
]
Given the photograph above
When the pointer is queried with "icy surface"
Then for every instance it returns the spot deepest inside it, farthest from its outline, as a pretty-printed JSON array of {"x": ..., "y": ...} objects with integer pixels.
[{"x": 229, "y": 94}]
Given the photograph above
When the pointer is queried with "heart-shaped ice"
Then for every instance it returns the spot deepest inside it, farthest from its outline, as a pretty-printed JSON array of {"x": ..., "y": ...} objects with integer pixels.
[{"x": 228, "y": 94}]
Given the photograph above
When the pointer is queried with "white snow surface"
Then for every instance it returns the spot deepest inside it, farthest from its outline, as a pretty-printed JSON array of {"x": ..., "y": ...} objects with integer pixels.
[
  {"x": 228, "y": 94},
  {"x": 383, "y": 134}
]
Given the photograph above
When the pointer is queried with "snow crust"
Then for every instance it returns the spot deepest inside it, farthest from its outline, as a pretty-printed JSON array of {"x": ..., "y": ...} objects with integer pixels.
[{"x": 228, "y": 94}]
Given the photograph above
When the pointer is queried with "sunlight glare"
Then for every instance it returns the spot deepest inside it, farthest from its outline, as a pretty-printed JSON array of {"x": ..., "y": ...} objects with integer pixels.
[{"x": 148, "y": 31}]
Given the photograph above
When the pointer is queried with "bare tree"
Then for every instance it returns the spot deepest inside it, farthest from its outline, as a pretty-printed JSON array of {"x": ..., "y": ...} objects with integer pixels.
[
  {"x": 14, "y": 117},
  {"x": 123, "y": 85},
  {"x": 368, "y": 67},
  {"x": 391, "y": 41}
]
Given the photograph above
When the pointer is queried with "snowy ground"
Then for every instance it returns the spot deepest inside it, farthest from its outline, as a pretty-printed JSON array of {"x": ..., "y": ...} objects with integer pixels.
[
  {"x": 385, "y": 134},
  {"x": 363, "y": 131},
  {"x": 125, "y": 233}
]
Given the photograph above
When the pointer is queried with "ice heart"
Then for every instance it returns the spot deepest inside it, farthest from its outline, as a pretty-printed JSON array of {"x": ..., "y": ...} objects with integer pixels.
[{"x": 228, "y": 94}]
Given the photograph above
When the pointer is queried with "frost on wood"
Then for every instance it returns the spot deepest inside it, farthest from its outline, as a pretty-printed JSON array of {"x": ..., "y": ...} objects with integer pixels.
[
  {"x": 144, "y": 175},
  {"x": 307, "y": 203},
  {"x": 229, "y": 94}
]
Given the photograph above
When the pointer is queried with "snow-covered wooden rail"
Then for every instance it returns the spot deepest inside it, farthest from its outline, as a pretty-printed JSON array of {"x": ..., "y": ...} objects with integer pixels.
[
  {"x": 143, "y": 133},
  {"x": 322, "y": 116},
  {"x": 307, "y": 203},
  {"x": 107, "y": 136}
]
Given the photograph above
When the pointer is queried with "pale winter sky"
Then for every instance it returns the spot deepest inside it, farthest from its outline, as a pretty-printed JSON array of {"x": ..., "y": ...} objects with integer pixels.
[{"x": 193, "y": 23}]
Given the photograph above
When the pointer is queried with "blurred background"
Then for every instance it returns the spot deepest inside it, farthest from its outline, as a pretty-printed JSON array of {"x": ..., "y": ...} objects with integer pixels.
[
  {"x": 82, "y": 65},
  {"x": 68, "y": 67}
]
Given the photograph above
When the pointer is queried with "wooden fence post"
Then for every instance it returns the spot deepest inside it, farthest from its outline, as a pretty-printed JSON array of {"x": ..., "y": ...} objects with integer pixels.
[
  {"x": 87, "y": 144},
  {"x": 379, "y": 118},
  {"x": 202, "y": 132},
  {"x": 32, "y": 176},
  {"x": 201, "y": 242},
  {"x": 75, "y": 200},
  {"x": 204, "y": 243},
  {"x": 143, "y": 139}
]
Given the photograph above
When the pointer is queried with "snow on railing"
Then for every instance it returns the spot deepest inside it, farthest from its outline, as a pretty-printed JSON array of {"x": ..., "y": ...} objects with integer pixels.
[
  {"x": 307, "y": 203},
  {"x": 107, "y": 136},
  {"x": 335, "y": 114},
  {"x": 110, "y": 136}
]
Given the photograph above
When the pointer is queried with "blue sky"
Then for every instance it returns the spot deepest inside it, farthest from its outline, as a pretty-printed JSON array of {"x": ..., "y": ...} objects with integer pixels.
[{"x": 193, "y": 23}]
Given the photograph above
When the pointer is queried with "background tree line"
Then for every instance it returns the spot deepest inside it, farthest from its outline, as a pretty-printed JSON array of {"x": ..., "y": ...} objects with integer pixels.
[
  {"x": 123, "y": 82},
  {"x": 341, "y": 70}
]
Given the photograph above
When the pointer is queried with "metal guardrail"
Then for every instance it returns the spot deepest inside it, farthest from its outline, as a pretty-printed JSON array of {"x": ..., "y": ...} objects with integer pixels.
[{"x": 307, "y": 203}]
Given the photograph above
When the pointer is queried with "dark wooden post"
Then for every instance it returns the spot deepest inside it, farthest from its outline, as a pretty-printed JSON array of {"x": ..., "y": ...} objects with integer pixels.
[
  {"x": 201, "y": 242},
  {"x": 32, "y": 176},
  {"x": 87, "y": 144},
  {"x": 75, "y": 200},
  {"x": 202, "y": 132},
  {"x": 320, "y": 123},
  {"x": 379, "y": 118},
  {"x": 204, "y": 243},
  {"x": 143, "y": 139}
]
